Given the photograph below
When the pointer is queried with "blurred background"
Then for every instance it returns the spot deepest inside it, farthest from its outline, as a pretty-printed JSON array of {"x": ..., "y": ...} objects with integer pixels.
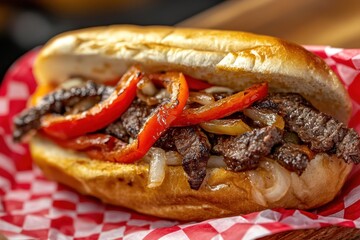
[{"x": 25, "y": 24}]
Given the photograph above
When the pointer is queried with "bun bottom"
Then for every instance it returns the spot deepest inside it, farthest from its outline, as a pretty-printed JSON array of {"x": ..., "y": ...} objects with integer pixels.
[{"x": 223, "y": 193}]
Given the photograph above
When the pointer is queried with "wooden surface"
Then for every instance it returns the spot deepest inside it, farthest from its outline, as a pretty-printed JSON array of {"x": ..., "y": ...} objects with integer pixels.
[
  {"x": 333, "y": 233},
  {"x": 311, "y": 22}
]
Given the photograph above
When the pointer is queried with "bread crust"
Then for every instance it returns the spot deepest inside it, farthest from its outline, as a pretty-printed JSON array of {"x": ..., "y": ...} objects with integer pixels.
[
  {"x": 232, "y": 59},
  {"x": 224, "y": 193}
]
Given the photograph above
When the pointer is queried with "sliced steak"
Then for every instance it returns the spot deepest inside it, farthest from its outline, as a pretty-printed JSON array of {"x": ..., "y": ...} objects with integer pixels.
[
  {"x": 349, "y": 147},
  {"x": 117, "y": 130},
  {"x": 321, "y": 131},
  {"x": 135, "y": 116},
  {"x": 167, "y": 140},
  {"x": 292, "y": 157},
  {"x": 193, "y": 144},
  {"x": 243, "y": 152},
  {"x": 312, "y": 126},
  {"x": 59, "y": 102}
]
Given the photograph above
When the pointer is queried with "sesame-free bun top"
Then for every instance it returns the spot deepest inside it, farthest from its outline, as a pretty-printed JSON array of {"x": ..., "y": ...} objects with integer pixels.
[{"x": 226, "y": 58}]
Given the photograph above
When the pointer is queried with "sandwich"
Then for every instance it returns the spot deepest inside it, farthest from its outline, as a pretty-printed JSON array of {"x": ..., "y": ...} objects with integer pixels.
[{"x": 189, "y": 124}]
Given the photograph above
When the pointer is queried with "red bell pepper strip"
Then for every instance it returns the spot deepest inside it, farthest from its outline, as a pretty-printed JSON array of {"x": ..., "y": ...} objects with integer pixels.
[
  {"x": 223, "y": 107},
  {"x": 95, "y": 143},
  {"x": 107, "y": 148},
  {"x": 97, "y": 117},
  {"x": 196, "y": 84}
]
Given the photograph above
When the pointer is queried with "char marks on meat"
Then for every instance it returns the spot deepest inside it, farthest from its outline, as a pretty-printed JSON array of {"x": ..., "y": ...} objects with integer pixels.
[
  {"x": 321, "y": 131},
  {"x": 193, "y": 144},
  {"x": 243, "y": 152},
  {"x": 59, "y": 102},
  {"x": 292, "y": 157},
  {"x": 117, "y": 130},
  {"x": 135, "y": 116},
  {"x": 349, "y": 147}
]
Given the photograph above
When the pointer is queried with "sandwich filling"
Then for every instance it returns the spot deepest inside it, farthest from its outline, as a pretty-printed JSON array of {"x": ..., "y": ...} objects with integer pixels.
[{"x": 171, "y": 118}]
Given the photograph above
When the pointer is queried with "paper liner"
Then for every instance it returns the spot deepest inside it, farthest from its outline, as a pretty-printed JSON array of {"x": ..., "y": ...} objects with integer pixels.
[{"x": 33, "y": 207}]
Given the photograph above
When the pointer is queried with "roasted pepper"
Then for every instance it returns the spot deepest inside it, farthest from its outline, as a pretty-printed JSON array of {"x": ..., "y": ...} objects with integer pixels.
[
  {"x": 223, "y": 107},
  {"x": 108, "y": 148},
  {"x": 97, "y": 117}
]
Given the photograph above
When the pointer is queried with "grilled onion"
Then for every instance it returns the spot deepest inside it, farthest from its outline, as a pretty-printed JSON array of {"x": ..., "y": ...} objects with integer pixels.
[
  {"x": 265, "y": 117},
  {"x": 147, "y": 87},
  {"x": 157, "y": 167},
  {"x": 226, "y": 126},
  {"x": 148, "y": 93},
  {"x": 173, "y": 158},
  {"x": 280, "y": 184},
  {"x": 201, "y": 98},
  {"x": 218, "y": 89},
  {"x": 149, "y": 100},
  {"x": 281, "y": 181},
  {"x": 153, "y": 100}
]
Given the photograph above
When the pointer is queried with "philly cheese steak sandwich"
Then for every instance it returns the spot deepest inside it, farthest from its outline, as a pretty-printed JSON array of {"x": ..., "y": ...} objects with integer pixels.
[{"x": 189, "y": 124}]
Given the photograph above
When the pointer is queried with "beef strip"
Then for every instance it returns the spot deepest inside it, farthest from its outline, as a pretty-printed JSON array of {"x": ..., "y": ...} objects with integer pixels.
[
  {"x": 243, "y": 152},
  {"x": 349, "y": 147},
  {"x": 193, "y": 144},
  {"x": 135, "y": 116},
  {"x": 132, "y": 120},
  {"x": 292, "y": 157},
  {"x": 117, "y": 130},
  {"x": 167, "y": 140},
  {"x": 58, "y": 102},
  {"x": 321, "y": 131}
]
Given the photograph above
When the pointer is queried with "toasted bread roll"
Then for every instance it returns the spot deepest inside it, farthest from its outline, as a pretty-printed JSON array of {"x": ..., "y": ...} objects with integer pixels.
[{"x": 231, "y": 59}]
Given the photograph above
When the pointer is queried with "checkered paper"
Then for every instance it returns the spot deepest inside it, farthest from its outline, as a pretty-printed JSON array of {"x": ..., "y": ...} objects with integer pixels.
[{"x": 33, "y": 207}]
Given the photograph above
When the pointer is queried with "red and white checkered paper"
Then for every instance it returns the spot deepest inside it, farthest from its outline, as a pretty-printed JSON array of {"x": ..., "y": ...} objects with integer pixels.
[{"x": 33, "y": 207}]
